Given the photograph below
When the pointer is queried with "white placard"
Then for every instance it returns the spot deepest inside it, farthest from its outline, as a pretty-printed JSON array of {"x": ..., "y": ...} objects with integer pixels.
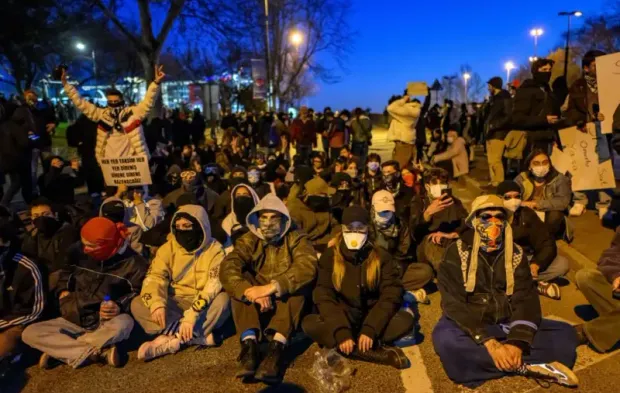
[
  {"x": 132, "y": 171},
  {"x": 580, "y": 153},
  {"x": 608, "y": 78}
]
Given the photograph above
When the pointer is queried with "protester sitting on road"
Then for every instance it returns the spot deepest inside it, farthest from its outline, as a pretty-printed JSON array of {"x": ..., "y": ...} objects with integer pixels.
[
  {"x": 119, "y": 126},
  {"x": 392, "y": 234},
  {"x": 373, "y": 177},
  {"x": 437, "y": 217},
  {"x": 393, "y": 182},
  {"x": 244, "y": 198},
  {"x": 343, "y": 195},
  {"x": 477, "y": 342},
  {"x": 182, "y": 299},
  {"x": 539, "y": 246},
  {"x": 456, "y": 152},
  {"x": 268, "y": 275},
  {"x": 144, "y": 212},
  {"x": 94, "y": 297},
  {"x": 402, "y": 129},
  {"x": 546, "y": 191},
  {"x": 22, "y": 298},
  {"x": 58, "y": 182},
  {"x": 437, "y": 145},
  {"x": 49, "y": 241},
  {"x": 311, "y": 213},
  {"x": 496, "y": 127},
  {"x": 359, "y": 322},
  {"x": 222, "y": 208},
  {"x": 255, "y": 178}
]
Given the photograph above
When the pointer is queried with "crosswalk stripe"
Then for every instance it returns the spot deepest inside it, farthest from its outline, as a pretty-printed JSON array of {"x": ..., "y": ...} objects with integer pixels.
[{"x": 415, "y": 378}]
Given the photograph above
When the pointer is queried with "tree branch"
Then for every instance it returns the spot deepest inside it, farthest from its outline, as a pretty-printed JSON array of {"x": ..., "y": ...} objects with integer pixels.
[
  {"x": 107, "y": 12},
  {"x": 173, "y": 13}
]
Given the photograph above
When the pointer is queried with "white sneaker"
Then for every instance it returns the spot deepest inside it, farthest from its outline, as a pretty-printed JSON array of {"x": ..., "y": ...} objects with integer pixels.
[
  {"x": 161, "y": 346},
  {"x": 577, "y": 210},
  {"x": 554, "y": 372}
]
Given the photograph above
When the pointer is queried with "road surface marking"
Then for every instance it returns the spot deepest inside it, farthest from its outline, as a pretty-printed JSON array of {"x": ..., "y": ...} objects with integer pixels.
[{"x": 415, "y": 378}]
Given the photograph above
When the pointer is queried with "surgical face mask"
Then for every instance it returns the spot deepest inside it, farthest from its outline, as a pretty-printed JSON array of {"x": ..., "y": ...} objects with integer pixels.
[
  {"x": 408, "y": 179},
  {"x": 351, "y": 172},
  {"x": 540, "y": 171},
  {"x": 512, "y": 204},
  {"x": 450, "y": 139},
  {"x": 355, "y": 240},
  {"x": 373, "y": 166},
  {"x": 384, "y": 219},
  {"x": 436, "y": 190},
  {"x": 253, "y": 177}
]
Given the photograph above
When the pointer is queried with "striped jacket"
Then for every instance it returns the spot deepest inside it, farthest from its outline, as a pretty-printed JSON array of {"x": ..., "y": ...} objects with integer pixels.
[{"x": 22, "y": 295}]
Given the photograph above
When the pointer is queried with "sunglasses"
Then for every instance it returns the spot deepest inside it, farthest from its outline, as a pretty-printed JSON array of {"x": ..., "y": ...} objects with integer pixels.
[{"x": 488, "y": 216}]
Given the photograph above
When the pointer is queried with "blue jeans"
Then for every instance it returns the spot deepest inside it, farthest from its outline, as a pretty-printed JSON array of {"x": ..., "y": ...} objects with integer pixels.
[
  {"x": 360, "y": 149},
  {"x": 470, "y": 364}
]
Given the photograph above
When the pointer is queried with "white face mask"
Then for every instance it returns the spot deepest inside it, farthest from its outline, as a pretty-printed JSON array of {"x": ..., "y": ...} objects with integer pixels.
[
  {"x": 450, "y": 140},
  {"x": 512, "y": 204},
  {"x": 540, "y": 171},
  {"x": 355, "y": 240},
  {"x": 436, "y": 189}
]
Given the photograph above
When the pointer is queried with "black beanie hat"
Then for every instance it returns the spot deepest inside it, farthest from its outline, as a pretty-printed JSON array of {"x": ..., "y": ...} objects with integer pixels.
[
  {"x": 114, "y": 210},
  {"x": 355, "y": 213},
  {"x": 496, "y": 82},
  {"x": 339, "y": 178},
  {"x": 508, "y": 186}
]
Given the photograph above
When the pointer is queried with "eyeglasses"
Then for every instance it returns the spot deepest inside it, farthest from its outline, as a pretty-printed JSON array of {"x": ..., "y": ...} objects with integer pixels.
[{"x": 488, "y": 216}]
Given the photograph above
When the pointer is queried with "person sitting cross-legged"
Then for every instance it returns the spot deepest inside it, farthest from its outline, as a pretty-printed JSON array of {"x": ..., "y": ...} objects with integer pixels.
[
  {"x": 358, "y": 295},
  {"x": 182, "y": 299},
  {"x": 268, "y": 276},
  {"x": 492, "y": 325},
  {"x": 542, "y": 252},
  {"x": 94, "y": 297}
]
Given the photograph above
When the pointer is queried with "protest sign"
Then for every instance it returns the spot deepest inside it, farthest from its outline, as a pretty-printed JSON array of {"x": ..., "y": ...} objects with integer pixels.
[
  {"x": 608, "y": 78},
  {"x": 259, "y": 76},
  {"x": 583, "y": 161},
  {"x": 131, "y": 171},
  {"x": 417, "y": 89}
]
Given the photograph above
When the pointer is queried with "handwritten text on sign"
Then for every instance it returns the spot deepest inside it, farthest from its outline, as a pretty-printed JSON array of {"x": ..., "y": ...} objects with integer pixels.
[{"x": 132, "y": 171}]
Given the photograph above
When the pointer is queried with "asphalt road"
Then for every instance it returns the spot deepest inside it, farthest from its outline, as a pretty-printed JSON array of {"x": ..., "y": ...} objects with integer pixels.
[{"x": 213, "y": 370}]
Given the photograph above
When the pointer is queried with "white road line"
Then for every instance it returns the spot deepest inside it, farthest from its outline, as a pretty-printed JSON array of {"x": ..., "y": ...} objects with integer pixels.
[{"x": 415, "y": 378}]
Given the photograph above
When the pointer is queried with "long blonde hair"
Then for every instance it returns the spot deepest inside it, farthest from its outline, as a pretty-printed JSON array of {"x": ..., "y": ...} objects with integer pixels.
[{"x": 373, "y": 267}]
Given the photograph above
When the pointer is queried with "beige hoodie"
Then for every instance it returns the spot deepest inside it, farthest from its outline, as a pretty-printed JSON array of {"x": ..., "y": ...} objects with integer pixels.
[{"x": 176, "y": 273}]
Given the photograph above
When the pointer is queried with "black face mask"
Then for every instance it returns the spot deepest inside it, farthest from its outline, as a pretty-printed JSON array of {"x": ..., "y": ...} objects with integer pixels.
[
  {"x": 542, "y": 77},
  {"x": 189, "y": 240},
  {"x": 47, "y": 225},
  {"x": 116, "y": 105},
  {"x": 391, "y": 181},
  {"x": 243, "y": 205},
  {"x": 318, "y": 203},
  {"x": 342, "y": 198}
]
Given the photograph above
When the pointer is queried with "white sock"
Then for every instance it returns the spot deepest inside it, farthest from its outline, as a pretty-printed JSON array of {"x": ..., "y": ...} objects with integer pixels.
[{"x": 279, "y": 338}]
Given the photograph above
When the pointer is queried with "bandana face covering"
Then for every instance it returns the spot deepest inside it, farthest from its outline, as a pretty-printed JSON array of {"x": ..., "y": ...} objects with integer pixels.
[{"x": 491, "y": 233}]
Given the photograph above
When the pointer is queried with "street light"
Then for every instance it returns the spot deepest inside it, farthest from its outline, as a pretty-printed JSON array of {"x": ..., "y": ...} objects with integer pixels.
[
  {"x": 509, "y": 66},
  {"x": 533, "y": 59},
  {"x": 536, "y": 33},
  {"x": 466, "y": 78},
  {"x": 82, "y": 47},
  {"x": 296, "y": 38},
  {"x": 566, "y": 52}
]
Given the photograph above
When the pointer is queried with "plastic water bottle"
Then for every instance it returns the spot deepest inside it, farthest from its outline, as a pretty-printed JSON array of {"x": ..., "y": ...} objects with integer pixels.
[
  {"x": 331, "y": 371},
  {"x": 107, "y": 300}
]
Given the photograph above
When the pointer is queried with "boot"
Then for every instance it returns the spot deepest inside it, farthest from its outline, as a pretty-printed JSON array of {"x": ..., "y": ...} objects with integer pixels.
[
  {"x": 269, "y": 370},
  {"x": 389, "y": 356},
  {"x": 248, "y": 359}
]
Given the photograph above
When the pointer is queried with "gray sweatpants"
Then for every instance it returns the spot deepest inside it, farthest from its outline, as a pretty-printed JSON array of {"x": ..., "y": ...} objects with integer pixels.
[
  {"x": 73, "y": 344},
  {"x": 558, "y": 268},
  {"x": 212, "y": 318}
]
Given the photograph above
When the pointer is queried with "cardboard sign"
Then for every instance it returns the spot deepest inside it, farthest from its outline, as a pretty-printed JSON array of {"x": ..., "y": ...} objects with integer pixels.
[
  {"x": 132, "y": 171},
  {"x": 417, "y": 89},
  {"x": 583, "y": 162},
  {"x": 608, "y": 78}
]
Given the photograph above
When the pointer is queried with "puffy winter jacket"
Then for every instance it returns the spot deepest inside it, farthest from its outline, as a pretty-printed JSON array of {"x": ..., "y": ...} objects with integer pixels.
[
  {"x": 177, "y": 273},
  {"x": 404, "y": 119},
  {"x": 290, "y": 262},
  {"x": 457, "y": 153},
  {"x": 557, "y": 190}
]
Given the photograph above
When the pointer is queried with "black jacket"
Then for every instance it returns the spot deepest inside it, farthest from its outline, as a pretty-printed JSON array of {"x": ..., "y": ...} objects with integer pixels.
[
  {"x": 451, "y": 219},
  {"x": 83, "y": 135},
  {"x": 357, "y": 309},
  {"x": 15, "y": 147},
  {"x": 402, "y": 200},
  {"x": 398, "y": 246},
  {"x": 59, "y": 184},
  {"x": 43, "y": 115},
  {"x": 488, "y": 304},
  {"x": 498, "y": 122},
  {"x": 526, "y": 232},
  {"x": 50, "y": 253},
  {"x": 89, "y": 281},
  {"x": 532, "y": 104},
  {"x": 22, "y": 291},
  {"x": 579, "y": 107}
]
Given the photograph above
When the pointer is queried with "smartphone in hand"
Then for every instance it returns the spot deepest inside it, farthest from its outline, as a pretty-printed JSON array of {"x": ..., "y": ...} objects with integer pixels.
[{"x": 447, "y": 193}]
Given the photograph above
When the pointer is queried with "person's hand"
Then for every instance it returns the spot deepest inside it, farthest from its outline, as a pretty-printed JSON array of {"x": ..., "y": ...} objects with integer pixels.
[
  {"x": 265, "y": 303},
  {"x": 534, "y": 268},
  {"x": 109, "y": 310},
  {"x": 436, "y": 237},
  {"x": 346, "y": 347},
  {"x": 56, "y": 163},
  {"x": 600, "y": 117},
  {"x": 63, "y": 294},
  {"x": 437, "y": 205},
  {"x": 122, "y": 189},
  {"x": 159, "y": 316},
  {"x": 186, "y": 331},
  {"x": 530, "y": 204},
  {"x": 159, "y": 74},
  {"x": 515, "y": 356},
  {"x": 616, "y": 284},
  {"x": 259, "y": 291},
  {"x": 365, "y": 343},
  {"x": 137, "y": 198},
  {"x": 63, "y": 76},
  {"x": 552, "y": 119},
  {"x": 50, "y": 127},
  {"x": 75, "y": 164},
  {"x": 500, "y": 355}
]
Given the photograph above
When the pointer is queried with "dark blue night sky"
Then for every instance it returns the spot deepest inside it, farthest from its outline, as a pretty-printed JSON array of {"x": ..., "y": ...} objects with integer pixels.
[{"x": 409, "y": 40}]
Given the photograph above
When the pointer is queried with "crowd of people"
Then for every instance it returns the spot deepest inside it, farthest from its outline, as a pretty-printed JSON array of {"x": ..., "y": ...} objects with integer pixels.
[{"x": 289, "y": 227}]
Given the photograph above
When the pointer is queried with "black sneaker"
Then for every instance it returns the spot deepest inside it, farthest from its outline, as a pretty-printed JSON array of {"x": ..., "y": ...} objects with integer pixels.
[
  {"x": 248, "y": 359},
  {"x": 270, "y": 368}
]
